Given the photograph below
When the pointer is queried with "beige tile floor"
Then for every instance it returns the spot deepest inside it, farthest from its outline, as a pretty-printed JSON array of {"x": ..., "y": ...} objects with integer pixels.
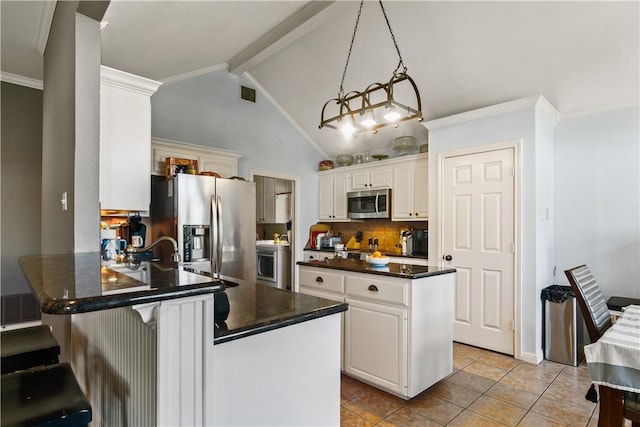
[{"x": 485, "y": 389}]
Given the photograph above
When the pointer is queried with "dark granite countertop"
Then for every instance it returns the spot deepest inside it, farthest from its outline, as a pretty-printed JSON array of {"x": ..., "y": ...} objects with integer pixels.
[
  {"x": 405, "y": 271},
  {"x": 77, "y": 283},
  {"x": 256, "y": 308}
]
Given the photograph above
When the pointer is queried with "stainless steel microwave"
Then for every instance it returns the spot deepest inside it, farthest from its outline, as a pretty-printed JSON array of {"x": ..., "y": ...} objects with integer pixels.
[{"x": 369, "y": 204}]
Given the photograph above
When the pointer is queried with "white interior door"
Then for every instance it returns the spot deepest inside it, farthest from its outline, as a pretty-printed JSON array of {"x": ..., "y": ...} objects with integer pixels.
[{"x": 478, "y": 240}]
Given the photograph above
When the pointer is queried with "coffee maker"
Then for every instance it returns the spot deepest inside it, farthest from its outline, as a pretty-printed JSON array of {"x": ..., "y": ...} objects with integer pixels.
[
  {"x": 406, "y": 241},
  {"x": 421, "y": 242}
]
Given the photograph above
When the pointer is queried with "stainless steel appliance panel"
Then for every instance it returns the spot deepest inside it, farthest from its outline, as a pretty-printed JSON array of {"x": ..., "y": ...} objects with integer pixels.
[
  {"x": 237, "y": 231},
  {"x": 369, "y": 204},
  {"x": 198, "y": 211}
]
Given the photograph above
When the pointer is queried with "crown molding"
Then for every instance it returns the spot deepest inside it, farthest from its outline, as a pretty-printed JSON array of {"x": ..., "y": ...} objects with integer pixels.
[
  {"x": 44, "y": 26},
  {"x": 537, "y": 101},
  {"x": 21, "y": 80},
  {"x": 196, "y": 73},
  {"x": 285, "y": 114},
  {"x": 128, "y": 81},
  {"x": 598, "y": 110}
]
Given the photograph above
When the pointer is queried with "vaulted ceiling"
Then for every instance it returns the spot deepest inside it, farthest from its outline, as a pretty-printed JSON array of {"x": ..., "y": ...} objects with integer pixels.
[{"x": 582, "y": 56}]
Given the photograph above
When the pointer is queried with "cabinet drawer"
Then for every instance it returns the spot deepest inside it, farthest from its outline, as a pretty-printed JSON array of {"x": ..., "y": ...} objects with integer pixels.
[
  {"x": 379, "y": 290},
  {"x": 319, "y": 279}
]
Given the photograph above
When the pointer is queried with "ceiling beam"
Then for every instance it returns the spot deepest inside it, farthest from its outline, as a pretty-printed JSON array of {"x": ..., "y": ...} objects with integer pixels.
[{"x": 288, "y": 31}]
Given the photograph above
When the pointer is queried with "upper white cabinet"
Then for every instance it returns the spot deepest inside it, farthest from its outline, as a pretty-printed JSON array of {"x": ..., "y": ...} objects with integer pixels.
[
  {"x": 332, "y": 194},
  {"x": 406, "y": 176},
  {"x": 272, "y": 200},
  {"x": 410, "y": 186},
  {"x": 125, "y": 135},
  {"x": 223, "y": 162},
  {"x": 369, "y": 178}
]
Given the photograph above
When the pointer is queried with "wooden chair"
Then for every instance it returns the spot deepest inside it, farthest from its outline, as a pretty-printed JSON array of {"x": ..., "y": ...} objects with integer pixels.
[{"x": 596, "y": 316}]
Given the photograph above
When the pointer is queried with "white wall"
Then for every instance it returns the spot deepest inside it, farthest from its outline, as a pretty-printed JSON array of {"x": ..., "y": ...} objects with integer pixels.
[
  {"x": 527, "y": 124},
  {"x": 597, "y": 198},
  {"x": 207, "y": 110}
]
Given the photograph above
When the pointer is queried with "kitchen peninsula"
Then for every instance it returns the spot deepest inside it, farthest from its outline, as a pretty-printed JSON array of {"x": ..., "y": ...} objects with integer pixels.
[
  {"x": 147, "y": 351},
  {"x": 398, "y": 333}
]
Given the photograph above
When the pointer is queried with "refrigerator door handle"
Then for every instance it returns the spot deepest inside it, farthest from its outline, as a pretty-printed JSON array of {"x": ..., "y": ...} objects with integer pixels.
[
  {"x": 220, "y": 230},
  {"x": 214, "y": 236}
]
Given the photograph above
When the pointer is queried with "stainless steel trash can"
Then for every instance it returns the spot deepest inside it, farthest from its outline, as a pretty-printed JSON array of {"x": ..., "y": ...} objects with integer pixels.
[{"x": 563, "y": 330}]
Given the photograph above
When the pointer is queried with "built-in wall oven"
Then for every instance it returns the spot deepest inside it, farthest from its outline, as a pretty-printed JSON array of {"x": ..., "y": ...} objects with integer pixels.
[{"x": 273, "y": 264}]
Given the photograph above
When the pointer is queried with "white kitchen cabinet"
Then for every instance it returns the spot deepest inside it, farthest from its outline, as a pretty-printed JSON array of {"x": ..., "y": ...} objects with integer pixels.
[
  {"x": 325, "y": 284},
  {"x": 332, "y": 193},
  {"x": 210, "y": 159},
  {"x": 397, "y": 332},
  {"x": 318, "y": 255},
  {"x": 272, "y": 207},
  {"x": 376, "y": 344},
  {"x": 410, "y": 183},
  {"x": 125, "y": 140},
  {"x": 372, "y": 177}
]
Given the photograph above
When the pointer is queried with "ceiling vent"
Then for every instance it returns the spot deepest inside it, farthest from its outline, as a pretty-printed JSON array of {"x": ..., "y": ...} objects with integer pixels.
[{"x": 248, "y": 94}]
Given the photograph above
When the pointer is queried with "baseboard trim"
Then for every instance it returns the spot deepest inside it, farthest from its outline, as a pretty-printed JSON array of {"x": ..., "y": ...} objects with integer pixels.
[{"x": 533, "y": 358}]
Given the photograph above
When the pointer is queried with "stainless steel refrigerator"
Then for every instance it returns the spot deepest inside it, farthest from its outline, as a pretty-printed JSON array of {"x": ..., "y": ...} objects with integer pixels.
[{"x": 213, "y": 221}]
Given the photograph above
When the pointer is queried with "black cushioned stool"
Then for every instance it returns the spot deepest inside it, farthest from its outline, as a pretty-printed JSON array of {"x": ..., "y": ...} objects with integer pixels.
[
  {"x": 28, "y": 347},
  {"x": 44, "y": 396}
]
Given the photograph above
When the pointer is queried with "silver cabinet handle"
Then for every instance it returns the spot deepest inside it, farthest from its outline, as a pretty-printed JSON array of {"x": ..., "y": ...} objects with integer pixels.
[{"x": 373, "y": 288}]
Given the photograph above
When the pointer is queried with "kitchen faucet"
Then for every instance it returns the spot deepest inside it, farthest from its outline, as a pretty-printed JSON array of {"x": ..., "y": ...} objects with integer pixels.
[{"x": 175, "y": 257}]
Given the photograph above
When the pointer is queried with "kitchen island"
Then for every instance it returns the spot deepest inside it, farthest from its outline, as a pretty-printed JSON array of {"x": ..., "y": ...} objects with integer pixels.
[
  {"x": 398, "y": 330},
  {"x": 146, "y": 349}
]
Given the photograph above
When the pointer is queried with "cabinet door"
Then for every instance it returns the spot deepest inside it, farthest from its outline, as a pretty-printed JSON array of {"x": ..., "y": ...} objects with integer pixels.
[
  {"x": 376, "y": 344},
  {"x": 325, "y": 197},
  {"x": 224, "y": 167},
  {"x": 333, "y": 297},
  {"x": 340, "y": 190},
  {"x": 381, "y": 177},
  {"x": 269, "y": 200},
  {"x": 125, "y": 149},
  {"x": 360, "y": 179},
  {"x": 420, "y": 191},
  {"x": 259, "y": 180},
  {"x": 402, "y": 193}
]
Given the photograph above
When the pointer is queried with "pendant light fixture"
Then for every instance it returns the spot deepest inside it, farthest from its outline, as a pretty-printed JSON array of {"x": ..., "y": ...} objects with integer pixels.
[{"x": 375, "y": 107}]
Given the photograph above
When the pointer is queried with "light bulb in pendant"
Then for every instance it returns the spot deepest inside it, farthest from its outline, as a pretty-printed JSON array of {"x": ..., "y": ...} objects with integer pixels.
[
  {"x": 369, "y": 120},
  {"x": 347, "y": 129},
  {"x": 392, "y": 115}
]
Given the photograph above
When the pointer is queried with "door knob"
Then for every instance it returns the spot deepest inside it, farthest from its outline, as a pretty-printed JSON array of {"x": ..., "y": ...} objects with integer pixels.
[{"x": 448, "y": 257}]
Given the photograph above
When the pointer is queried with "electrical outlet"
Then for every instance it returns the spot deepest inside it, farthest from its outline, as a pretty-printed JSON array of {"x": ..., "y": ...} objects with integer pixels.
[{"x": 63, "y": 201}]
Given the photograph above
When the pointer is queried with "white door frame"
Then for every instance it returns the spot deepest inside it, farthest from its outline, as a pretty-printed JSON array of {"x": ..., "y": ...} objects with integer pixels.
[
  {"x": 295, "y": 216},
  {"x": 517, "y": 232}
]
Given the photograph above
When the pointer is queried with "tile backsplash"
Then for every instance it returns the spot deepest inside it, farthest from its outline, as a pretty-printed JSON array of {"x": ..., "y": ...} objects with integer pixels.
[{"x": 387, "y": 232}]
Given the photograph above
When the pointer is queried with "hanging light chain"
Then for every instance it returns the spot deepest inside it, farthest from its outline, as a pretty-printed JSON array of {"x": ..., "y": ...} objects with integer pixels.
[
  {"x": 353, "y": 37},
  {"x": 393, "y": 37}
]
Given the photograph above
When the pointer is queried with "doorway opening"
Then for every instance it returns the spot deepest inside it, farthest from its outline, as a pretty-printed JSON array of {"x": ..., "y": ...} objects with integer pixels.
[{"x": 276, "y": 217}]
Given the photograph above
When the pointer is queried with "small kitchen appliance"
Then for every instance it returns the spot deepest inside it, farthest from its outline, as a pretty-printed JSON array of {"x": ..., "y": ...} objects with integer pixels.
[
  {"x": 273, "y": 262},
  {"x": 421, "y": 242},
  {"x": 369, "y": 204},
  {"x": 406, "y": 239}
]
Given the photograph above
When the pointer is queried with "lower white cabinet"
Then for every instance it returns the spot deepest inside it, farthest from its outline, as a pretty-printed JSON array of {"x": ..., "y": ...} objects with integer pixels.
[
  {"x": 376, "y": 344},
  {"x": 325, "y": 284},
  {"x": 318, "y": 255},
  {"x": 397, "y": 332}
]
